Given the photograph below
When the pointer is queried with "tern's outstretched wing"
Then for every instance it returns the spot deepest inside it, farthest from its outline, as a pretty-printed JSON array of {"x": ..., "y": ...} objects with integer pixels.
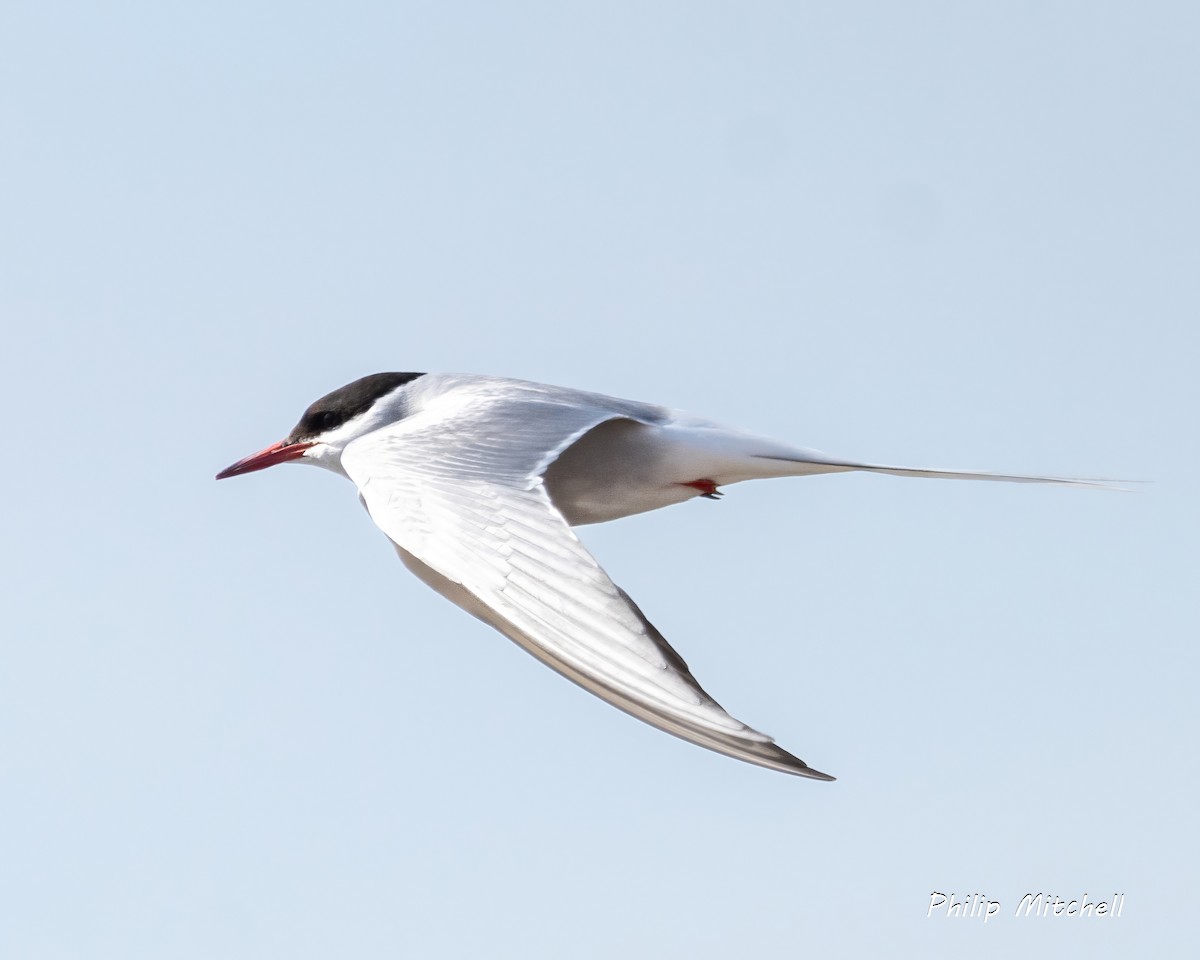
[{"x": 459, "y": 491}]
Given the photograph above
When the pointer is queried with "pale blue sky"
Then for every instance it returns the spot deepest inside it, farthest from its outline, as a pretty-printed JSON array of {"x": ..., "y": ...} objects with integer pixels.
[{"x": 938, "y": 234}]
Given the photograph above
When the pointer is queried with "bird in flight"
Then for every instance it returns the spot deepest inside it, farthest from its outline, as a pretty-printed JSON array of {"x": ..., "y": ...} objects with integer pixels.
[{"x": 478, "y": 480}]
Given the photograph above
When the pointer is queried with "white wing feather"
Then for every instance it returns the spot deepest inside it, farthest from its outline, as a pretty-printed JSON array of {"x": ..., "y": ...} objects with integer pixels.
[{"x": 460, "y": 490}]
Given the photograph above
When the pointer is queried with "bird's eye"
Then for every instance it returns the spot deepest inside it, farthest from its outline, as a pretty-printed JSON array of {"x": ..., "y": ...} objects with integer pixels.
[{"x": 324, "y": 420}]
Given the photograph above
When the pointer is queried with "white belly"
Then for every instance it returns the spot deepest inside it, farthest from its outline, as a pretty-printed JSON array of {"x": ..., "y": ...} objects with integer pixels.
[{"x": 622, "y": 467}]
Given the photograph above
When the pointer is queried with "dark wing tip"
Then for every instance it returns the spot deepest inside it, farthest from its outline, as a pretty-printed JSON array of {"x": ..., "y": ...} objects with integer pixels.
[{"x": 794, "y": 765}]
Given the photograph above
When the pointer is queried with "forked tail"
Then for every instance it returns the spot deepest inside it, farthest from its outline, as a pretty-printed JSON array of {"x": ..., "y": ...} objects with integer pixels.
[{"x": 806, "y": 462}]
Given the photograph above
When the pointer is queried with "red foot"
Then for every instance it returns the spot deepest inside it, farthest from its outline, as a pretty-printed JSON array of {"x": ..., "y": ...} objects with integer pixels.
[{"x": 706, "y": 487}]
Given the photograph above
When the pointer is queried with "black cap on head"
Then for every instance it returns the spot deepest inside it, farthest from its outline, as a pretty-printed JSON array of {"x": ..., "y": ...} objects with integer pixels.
[{"x": 347, "y": 402}]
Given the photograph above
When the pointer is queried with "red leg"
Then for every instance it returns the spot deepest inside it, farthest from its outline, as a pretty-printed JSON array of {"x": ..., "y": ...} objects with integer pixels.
[{"x": 706, "y": 487}]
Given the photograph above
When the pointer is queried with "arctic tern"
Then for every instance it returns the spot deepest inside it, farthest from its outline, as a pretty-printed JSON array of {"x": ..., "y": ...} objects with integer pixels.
[{"x": 478, "y": 480}]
